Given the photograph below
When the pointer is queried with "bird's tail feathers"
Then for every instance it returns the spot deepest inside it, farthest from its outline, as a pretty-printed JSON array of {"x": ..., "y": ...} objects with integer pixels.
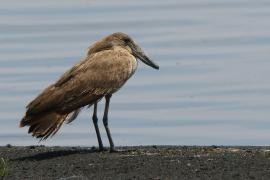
[{"x": 43, "y": 125}]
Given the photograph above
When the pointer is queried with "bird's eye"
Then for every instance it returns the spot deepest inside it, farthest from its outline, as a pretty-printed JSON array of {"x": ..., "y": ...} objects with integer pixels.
[{"x": 126, "y": 40}]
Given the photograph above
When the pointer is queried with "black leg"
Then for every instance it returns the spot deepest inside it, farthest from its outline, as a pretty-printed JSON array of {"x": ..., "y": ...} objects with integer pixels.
[
  {"x": 105, "y": 121},
  {"x": 95, "y": 121}
]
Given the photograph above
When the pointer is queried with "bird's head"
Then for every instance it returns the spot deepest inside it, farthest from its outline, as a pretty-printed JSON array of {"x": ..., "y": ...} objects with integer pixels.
[{"x": 124, "y": 41}]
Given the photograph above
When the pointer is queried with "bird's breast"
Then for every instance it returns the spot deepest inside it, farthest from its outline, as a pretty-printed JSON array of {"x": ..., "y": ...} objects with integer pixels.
[
  {"x": 108, "y": 70},
  {"x": 134, "y": 65},
  {"x": 128, "y": 62}
]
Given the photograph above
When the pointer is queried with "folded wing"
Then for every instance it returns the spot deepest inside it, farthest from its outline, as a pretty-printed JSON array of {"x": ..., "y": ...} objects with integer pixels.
[{"x": 88, "y": 81}]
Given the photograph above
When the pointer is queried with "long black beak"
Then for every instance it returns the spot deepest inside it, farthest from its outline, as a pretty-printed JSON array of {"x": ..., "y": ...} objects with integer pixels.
[{"x": 138, "y": 52}]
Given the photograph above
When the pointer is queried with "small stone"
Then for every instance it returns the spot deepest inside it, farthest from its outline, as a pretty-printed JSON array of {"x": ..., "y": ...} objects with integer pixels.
[{"x": 8, "y": 146}]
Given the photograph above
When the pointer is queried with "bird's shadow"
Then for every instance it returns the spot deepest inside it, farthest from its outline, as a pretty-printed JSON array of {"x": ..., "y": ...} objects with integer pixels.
[{"x": 54, "y": 154}]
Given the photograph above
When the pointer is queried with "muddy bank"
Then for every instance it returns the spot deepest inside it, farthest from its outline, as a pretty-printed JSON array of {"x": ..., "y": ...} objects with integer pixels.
[{"x": 143, "y": 162}]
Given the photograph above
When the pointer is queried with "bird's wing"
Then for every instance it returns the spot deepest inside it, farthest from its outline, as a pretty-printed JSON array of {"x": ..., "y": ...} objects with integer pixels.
[{"x": 99, "y": 74}]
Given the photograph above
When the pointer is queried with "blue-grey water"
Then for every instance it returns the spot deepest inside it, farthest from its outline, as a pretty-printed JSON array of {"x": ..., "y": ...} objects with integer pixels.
[{"x": 213, "y": 86}]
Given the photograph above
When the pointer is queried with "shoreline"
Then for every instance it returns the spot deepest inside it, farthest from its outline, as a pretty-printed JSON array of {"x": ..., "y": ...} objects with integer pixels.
[{"x": 136, "y": 162}]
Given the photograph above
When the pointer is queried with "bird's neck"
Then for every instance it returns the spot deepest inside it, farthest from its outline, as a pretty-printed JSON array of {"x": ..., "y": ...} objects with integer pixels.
[{"x": 121, "y": 48}]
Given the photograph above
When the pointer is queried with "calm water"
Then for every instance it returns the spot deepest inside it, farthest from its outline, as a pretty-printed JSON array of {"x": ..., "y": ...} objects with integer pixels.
[{"x": 213, "y": 86}]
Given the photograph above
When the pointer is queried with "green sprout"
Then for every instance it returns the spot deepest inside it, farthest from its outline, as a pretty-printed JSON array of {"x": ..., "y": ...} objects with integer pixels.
[{"x": 3, "y": 168}]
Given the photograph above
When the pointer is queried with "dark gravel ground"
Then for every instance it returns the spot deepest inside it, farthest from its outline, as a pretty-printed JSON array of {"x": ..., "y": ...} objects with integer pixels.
[{"x": 142, "y": 162}]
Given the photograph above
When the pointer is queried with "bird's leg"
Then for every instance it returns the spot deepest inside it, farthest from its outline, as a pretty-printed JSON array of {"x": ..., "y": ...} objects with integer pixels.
[
  {"x": 105, "y": 121},
  {"x": 95, "y": 121}
]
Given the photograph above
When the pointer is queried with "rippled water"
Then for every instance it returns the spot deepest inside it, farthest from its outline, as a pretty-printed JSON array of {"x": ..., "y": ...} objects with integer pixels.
[{"x": 213, "y": 85}]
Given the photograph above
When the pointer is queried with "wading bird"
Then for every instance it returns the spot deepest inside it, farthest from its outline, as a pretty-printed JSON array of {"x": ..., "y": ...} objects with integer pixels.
[{"x": 109, "y": 63}]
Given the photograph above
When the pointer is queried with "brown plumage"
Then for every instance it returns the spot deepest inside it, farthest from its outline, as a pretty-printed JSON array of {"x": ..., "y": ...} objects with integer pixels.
[{"x": 109, "y": 63}]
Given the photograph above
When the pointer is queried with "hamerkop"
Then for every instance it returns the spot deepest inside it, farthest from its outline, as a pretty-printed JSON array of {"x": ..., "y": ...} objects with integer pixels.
[{"x": 109, "y": 63}]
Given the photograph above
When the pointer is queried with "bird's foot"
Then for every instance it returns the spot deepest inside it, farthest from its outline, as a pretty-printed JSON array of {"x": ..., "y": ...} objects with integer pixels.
[
  {"x": 102, "y": 149},
  {"x": 112, "y": 150},
  {"x": 97, "y": 149}
]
